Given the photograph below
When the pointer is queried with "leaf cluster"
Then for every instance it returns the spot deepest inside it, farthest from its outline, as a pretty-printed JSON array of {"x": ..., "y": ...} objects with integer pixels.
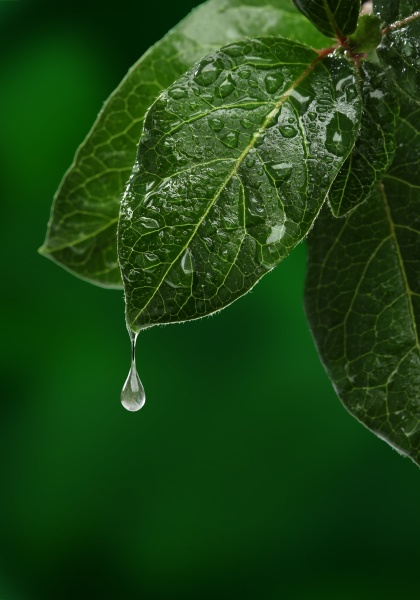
[{"x": 250, "y": 126}]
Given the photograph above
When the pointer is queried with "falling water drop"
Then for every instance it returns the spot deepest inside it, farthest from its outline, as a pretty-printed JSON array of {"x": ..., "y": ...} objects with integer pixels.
[{"x": 132, "y": 395}]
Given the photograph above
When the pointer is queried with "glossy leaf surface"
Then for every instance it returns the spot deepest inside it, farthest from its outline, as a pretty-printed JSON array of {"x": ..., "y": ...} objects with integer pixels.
[
  {"x": 391, "y": 11},
  {"x": 375, "y": 146},
  {"x": 400, "y": 47},
  {"x": 234, "y": 164},
  {"x": 363, "y": 298},
  {"x": 82, "y": 231},
  {"x": 334, "y": 18}
]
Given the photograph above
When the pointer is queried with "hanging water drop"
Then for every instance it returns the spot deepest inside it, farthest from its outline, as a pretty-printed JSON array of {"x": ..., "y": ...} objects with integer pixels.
[{"x": 132, "y": 395}]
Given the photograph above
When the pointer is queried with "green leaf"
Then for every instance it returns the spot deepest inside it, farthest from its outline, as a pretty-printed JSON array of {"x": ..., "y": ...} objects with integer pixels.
[
  {"x": 400, "y": 49},
  {"x": 393, "y": 10},
  {"x": 363, "y": 298},
  {"x": 82, "y": 231},
  {"x": 367, "y": 35},
  {"x": 234, "y": 163},
  {"x": 375, "y": 146},
  {"x": 334, "y": 18}
]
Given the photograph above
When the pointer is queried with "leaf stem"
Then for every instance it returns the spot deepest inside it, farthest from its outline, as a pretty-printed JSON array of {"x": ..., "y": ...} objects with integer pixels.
[{"x": 401, "y": 23}]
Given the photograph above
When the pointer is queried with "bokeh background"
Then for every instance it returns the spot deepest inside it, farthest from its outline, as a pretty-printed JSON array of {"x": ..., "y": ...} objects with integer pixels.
[{"x": 243, "y": 476}]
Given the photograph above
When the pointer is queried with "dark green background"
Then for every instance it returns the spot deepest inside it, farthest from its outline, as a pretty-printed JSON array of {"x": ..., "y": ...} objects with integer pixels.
[{"x": 243, "y": 476}]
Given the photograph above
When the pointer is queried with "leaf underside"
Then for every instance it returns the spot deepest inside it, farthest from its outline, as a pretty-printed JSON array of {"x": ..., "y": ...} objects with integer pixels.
[
  {"x": 362, "y": 298},
  {"x": 375, "y": 146},
  {"x": 234, "y": 164},
  {"x": 82, "y": 231},
  {"x": 334, "y": 18}
]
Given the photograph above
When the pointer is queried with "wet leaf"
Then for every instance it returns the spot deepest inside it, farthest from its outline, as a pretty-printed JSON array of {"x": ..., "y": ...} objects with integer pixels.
[
  {"x": 375, "y": 146},
  {"x": 367, "y": 35},
  {"x": 234, "y": 164},
  {"x": 82, "y": 232},
  {"x": 333, "y": 18},
  {"x": 400, "y": 46},
  {"x": 363, "y": 298},
  {"x": 393, "y": 10}
]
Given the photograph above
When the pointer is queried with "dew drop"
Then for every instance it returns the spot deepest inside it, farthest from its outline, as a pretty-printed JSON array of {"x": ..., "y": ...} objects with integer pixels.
[
  {"x": 132, "y": 275},
  {"x": 253, "y": 83},
  {"x": 233, "y": 50},
  {"x": 149, "y": 223},
  {"x": 246, "y": 123},
  {"x": 132, "y": 395},
  {"x": 187, "y": 264},
  {"x": 273, "y": 82},
  {"x": 280, "y": 172},
  {"x": 336, "y": 141},
  {"x": 259, "y": 139},
  {"x": 301, "y": 102},
  {"x": 244, "y": 73},
  {"x": 408, "y": 49},
  {"x": 230, "y": 139},
  {"x": 207, "y": 73},
  {"x": 216, "y": 124},
  {"x": 288, "y": 131},
  {"x": 177, "y": 93},
  {"x": 147, "y": 260},
  {"x": 226, "y": 87}
]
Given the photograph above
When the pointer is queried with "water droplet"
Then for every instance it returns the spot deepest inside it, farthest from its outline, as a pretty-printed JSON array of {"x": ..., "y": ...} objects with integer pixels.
[
  {"x": 208, "y": 71},
  {"x": 351, "y": 93},
  {"x": 216, "y": 124},
  {"x": 177, "y": 93},
  {"x": 336, "y": 141},
  {"x": 377, "y": 94},
  {"x": 276, "y": 233},
  {"x": 246, "y": 123},
  {"x": 230, "y": 139},
  {"x": 312, "y": 116},
  {"x": 244, "y": 73},
  {"x": 149, "y": 223},
  {"x": 273, "y": 82},
  {"x": 259, "y": 139},
  {"x": 147, "y": 260},
  {"x": 233, "y": 50},
  {"x": 226, "y": 87},
  {"x": 132, "y": 395},
  {"x": 253, "y": 83},
  {"x": 250, "y": 162},
  {"x": 288, "y": 131},
  {"x": 408, "y": 49},
  {"x": 132, "y": 275},
  {"x": 267, "y": 59},
  {"x": 301, "y": 102},
  {"x": 254, "y": 205},
  {"x": 187, "y": 264},
  {"x": 280, "y": 172}
]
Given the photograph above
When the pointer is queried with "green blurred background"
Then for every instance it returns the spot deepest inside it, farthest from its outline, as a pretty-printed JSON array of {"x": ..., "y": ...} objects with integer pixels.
[{"x": 243, "y": 476}]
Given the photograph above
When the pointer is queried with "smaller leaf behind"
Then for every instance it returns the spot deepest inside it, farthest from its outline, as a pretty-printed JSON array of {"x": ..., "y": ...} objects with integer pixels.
[
  {"x": 333, "y": 18},
  {"x": 82, "y": 231},
  {"x": 400, "y": 49},
  {"x": 362, "y": 298},
  {"x": 391, "y": 11},
  {"x": 375, "y": 145},
  {"x": 234, "y": 164}
]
